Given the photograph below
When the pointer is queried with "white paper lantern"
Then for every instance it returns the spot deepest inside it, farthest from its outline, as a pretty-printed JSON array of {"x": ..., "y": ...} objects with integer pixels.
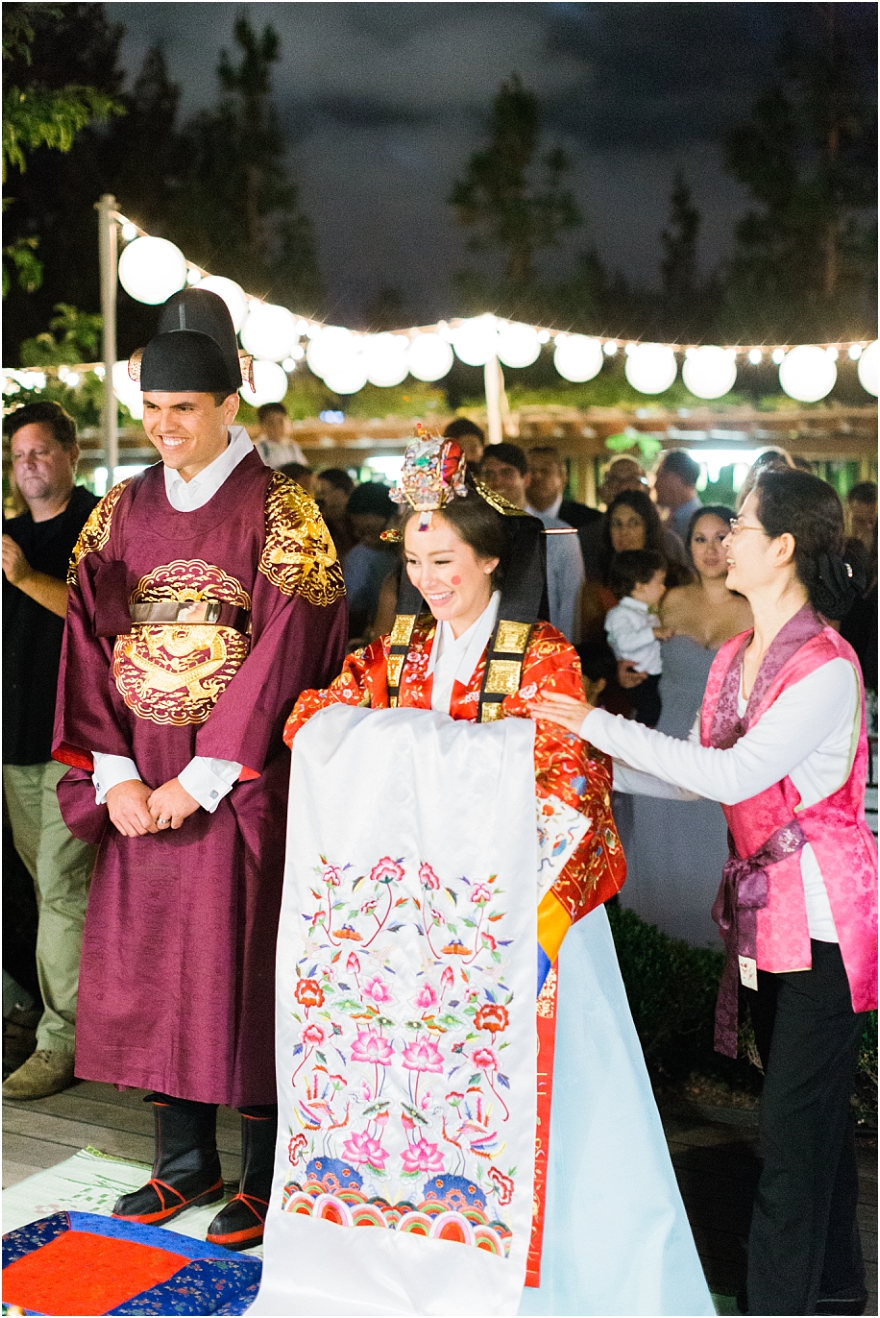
[
  {"x": 429, "y": 357},
  {"x": 651, "y": 367},
  {"x": 476, "y": 341},
  {"x": 347, "y": 376},
  {"x": 151, "y": 269},
  {"x": 270, "y": 384},
  {"x": 385, "y": 359},
  {"x": 269, "y": 332},
  {"x": 518, "y": 344},
  {"x": 710, "y": 372},
  {"x": 232, "y": 294},
  {"x": 868, "y": 369},
  {"x": 127, "y": 390},
  {"x": 577, "y": 358},
  {"x": 807, "y": 373},
  {"x": 329, "y": 347}
]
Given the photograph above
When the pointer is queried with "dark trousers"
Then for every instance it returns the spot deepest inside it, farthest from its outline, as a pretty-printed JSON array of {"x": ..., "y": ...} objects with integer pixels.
[
  {"x": 646, "y": 701},
  {"x": 804, "y": 1241}
]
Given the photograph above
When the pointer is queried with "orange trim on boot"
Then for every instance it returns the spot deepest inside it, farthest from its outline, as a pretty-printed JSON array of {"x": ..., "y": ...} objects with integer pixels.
[
  {"x": 252, "y": 1233},
  {"x": 165, "y": 1213}
]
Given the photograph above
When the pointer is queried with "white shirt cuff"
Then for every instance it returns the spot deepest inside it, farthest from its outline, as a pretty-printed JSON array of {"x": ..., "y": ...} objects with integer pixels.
[
  {"x": 208, "y": 780},
  {"x": 110, "y": 771}
]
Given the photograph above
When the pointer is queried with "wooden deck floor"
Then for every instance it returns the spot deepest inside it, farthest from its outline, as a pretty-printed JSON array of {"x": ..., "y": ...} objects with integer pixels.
[{"x": 716, "y": 1164}]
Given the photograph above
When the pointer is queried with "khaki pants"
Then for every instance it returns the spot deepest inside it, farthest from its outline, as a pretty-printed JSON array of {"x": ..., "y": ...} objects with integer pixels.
[{"x": 61, "y": 868}]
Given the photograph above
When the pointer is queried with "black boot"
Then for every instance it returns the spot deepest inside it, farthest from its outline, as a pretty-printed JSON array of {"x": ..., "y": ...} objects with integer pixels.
[
  {"x": 187, "y": 1169},
  {"x": 239, "y": 1224}
]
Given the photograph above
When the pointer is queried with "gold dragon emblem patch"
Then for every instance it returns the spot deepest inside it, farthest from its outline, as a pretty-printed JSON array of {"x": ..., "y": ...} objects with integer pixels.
[
  {"x": 299, "y": 556},
  {"x": 96, "y": 531},
  {"x": 173, "y": 673}
]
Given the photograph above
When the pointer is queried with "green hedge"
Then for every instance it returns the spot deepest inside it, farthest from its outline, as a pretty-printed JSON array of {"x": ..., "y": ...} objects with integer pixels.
[{"x": 672, "y": 989}]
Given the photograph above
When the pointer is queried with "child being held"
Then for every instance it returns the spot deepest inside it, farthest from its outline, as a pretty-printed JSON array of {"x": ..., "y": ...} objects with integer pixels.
[{"x": 638, "y": 579}]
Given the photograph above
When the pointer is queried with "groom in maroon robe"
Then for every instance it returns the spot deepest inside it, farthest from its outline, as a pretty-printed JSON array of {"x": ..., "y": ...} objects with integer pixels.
[{"x": 205, "y": 596}]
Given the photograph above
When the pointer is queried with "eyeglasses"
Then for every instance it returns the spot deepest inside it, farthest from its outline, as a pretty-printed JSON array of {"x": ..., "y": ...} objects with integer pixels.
[{"x": 736, "y": 525}]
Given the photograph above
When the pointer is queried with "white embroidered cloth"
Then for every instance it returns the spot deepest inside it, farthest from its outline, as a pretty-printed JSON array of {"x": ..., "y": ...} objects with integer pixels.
[{"x": 406, "y": 1019}]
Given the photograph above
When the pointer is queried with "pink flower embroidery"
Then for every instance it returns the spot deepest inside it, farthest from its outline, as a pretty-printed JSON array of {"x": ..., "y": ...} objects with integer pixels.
[
  {"x": 369, "y": 906},
  {"x": 332, "y": 876},
  {"x": 426, "y": 997},
  {"x": 313, "y": 1035},
  {"x": 428, "y": 877},
  {"x": 422, "y": 1157},
  {"x": 373, "y": 1048},
  {"x": 447, "y": 979},
  {"x": 361, "y": 1148},
  {"x": 378, "y": 990},
  {"x": 386, "y": 871},
  {"x": 485, "y": 1059},
  {"x": 423, "y": 1055},
  {"x": 352, "y": 965},
  {"x": 481, "y": 892}
]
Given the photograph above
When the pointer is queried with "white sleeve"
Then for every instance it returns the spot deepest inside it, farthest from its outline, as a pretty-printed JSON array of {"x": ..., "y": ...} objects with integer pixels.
[
  {"x": 209, "y": 780},
  {"x": 110, "y": 771},
  {"x": 627, "y": 779},
  {"x": 792, "y": 728}
]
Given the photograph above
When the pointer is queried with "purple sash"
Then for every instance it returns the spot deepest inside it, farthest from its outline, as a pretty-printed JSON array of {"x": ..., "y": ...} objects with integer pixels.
[
  {"x": 745, "y": 882},
  {"x": 744, "y": 890}
]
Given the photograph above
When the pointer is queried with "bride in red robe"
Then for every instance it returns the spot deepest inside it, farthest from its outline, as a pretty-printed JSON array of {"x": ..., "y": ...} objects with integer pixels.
[{"x": 605, "y": 1192}]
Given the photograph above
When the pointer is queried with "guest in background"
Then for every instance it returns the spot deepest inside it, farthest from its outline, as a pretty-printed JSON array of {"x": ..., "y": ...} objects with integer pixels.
[
  {"x": 631, "y": 522},
  {"x": 274, "y": 443},
  {"x": 637, "y": 579},
  {"x": 471, "y": 439},
  {"x": 771, "y": 459},
  {"x": 673, "y": 885},
  {"x": 861, "y": 514},
  {"x": 333, "y": 486},
  {"x": 621, "y": 474},
  {"x": 303, "y": 475},
  {"x": 675, "y": 485},
  {"x": 505, "y": 470},
  {"x": 545, "y": 487},
  {"x": 368, "y": 563},
  {"x": 36, "y": 552}
]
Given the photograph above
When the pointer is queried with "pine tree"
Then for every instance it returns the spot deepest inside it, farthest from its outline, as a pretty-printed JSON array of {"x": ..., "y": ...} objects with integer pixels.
[
  {"x": 236, "y": 208},
  {"x": 678, "y": 268},
  {"x": 511, "y": 195},
  {"x": 804, "y": 263}
]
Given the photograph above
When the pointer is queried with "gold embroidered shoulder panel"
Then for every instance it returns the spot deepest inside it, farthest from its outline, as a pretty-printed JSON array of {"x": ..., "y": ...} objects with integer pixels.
[
  {"x": 96, "y": 531},
  {"x": 299, "y": 556}
]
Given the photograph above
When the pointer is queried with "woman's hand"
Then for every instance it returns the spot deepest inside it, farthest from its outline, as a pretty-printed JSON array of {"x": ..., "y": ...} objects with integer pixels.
[{"x": 561, "y": 709}]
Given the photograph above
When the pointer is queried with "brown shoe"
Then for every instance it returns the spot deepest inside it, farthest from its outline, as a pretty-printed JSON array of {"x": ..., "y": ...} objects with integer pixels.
[{"x": 43, "y": 1073}]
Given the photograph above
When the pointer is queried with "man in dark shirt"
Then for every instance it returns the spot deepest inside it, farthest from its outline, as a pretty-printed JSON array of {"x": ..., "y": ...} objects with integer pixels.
[{"x": 36, "y": 551}]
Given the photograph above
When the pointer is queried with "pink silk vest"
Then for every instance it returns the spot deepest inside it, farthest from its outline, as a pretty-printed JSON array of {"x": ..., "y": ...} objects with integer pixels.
[{"x": 835, "y": 828}]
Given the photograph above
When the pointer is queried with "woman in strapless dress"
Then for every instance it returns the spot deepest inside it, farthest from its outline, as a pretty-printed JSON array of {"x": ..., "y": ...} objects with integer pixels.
[{"x": 675, "y": 849}]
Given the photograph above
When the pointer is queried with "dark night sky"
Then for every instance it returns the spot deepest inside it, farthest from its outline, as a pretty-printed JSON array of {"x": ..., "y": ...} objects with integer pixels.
[{"x": 384, "y": 103}]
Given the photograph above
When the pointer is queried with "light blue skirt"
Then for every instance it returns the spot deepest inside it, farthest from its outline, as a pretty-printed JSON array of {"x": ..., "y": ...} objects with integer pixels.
[{"x": 616, "y": 1237}]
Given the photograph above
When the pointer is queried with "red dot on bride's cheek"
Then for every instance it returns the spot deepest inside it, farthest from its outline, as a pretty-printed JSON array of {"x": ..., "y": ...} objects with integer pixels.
[{"x": 456, "y": 581}]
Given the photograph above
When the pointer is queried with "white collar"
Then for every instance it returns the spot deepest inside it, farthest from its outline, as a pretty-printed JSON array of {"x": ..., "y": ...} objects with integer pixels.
[
  {"x": 186, "y": 496},
  {"x": 550, "y": 512},
  {"x": 454, "y": 659},
  {"x": 638, "y": 606}
]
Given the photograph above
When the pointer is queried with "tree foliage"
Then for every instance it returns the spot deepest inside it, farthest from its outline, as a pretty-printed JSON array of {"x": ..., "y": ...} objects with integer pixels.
[
  {"x": 236, "y": 199},
  {"x": 512, "y": 195},
  {"x": 805, "y": 259},
  {"x": 37, "y": 115}
]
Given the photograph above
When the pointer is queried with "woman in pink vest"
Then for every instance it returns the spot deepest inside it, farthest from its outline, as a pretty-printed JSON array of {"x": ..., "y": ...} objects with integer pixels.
[{"x": 781, "y": 743}]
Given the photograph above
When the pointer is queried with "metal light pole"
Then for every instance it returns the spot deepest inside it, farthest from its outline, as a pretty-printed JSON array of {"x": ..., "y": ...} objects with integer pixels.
[
  {"x": 492, "y": 379},
  {"x": 107, "y": 256}
]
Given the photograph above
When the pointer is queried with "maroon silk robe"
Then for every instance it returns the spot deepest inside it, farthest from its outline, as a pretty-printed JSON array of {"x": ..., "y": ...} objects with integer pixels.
[{"x": 177, "y": 976}]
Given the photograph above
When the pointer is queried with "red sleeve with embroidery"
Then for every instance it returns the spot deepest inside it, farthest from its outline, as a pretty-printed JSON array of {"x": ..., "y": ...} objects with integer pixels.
[
  {"x": 363, "y": 681},
  {"x": 572, "y": 770}
]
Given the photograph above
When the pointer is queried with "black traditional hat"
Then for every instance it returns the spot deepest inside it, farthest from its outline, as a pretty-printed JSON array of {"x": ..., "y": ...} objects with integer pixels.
[
  {"x": 195, "y": 349},
  {"x": 434, "y": 472}
]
